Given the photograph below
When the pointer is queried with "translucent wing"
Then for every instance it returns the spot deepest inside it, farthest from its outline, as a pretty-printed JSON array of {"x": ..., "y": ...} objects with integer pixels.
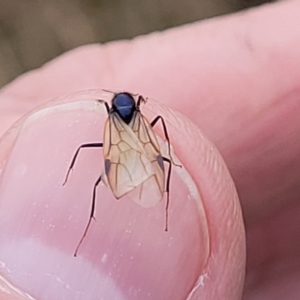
[{"x": 133, "y": 162}]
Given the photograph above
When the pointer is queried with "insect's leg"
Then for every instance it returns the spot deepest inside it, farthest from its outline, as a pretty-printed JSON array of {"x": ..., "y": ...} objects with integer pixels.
[
  {"x": 140, "y": 100},
  {"x": 168, "y": 190},
  {"x": 152, "y": 124},
  {"x": 91, "y": 214},
  {"x": 91, "y": 145},
  {"x": 105, "y": 103}
]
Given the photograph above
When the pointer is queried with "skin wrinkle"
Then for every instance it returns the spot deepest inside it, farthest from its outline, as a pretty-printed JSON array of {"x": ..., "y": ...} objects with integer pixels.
[
  {"x": 268, "y": 120},
  {"x": 212, "y": 227},
  {"x": 237, "y": 88},
  {"x": 234, "y": 213},
  {"x": 196, "y": 146},
  {"x": 175, "y": 121},
  {"x": 262, "y": 263}
]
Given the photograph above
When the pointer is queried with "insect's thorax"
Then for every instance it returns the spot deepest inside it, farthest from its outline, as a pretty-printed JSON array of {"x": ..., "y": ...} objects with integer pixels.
[
  {"x": 126, "y": 117},
  {"x": 120, "y": 123}
]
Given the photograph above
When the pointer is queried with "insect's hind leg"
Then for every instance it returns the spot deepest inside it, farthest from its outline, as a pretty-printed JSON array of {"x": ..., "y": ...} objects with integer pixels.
[
  {"x": 168, "y": 190},
  {"x": 152, "y": 124},
  {"x": 91, "y": 214},
  {"x": 90, "y": 145}
]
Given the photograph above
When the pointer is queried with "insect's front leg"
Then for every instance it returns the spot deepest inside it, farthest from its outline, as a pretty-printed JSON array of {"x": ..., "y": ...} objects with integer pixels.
[
  {"x": 90, "y": 145},
  {"x": 166, "y": 136}
]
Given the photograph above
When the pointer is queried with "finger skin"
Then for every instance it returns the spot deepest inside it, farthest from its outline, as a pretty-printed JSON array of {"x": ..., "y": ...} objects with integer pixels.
[
  {"x": 227, "y": 69},
  {"x": 234, "y": 79},
  {"x": 188, "y": 258},
  {"x": 9, "y": 292}
]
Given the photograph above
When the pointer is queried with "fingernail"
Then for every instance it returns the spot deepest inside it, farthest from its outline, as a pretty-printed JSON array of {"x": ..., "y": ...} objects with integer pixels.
[{"x": 126, "y": 253}]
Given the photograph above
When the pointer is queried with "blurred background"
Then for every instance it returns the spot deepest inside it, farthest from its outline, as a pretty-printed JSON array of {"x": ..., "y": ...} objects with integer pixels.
[{"x": 35, "y": 31}]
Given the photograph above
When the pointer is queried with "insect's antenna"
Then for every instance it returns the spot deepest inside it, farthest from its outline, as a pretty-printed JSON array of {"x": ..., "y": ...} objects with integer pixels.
[
  {"x": 105, "y": 103},
  {"x": 115, "y": 93},
  {"x": 109, "y": 91}
]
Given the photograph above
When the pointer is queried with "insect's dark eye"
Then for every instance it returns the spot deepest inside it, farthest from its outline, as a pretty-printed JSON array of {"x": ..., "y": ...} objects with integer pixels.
[{"x": 124, "y": 105}]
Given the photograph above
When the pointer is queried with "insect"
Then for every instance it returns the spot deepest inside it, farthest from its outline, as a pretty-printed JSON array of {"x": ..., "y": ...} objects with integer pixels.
[{"x": 132, "y": 157}]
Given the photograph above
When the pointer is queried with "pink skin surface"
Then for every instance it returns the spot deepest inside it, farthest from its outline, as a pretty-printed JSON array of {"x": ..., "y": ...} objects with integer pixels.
[
  {"x": 118, "y": 256},
  {"x": 237, "y": 78}
]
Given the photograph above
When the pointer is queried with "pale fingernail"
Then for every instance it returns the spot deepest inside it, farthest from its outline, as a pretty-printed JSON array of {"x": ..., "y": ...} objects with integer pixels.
[{"x": 126, "y": 254}]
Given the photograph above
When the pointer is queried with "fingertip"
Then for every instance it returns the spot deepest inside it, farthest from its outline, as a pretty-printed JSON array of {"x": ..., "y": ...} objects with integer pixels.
[
  {"x": 205, "y": 219},
  {"x": 220, "y": 208},
  {"x": 56, "y": 216}
]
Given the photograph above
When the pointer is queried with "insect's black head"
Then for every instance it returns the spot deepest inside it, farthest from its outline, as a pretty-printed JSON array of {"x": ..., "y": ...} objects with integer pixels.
[{"x": 124, "y": 105}]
